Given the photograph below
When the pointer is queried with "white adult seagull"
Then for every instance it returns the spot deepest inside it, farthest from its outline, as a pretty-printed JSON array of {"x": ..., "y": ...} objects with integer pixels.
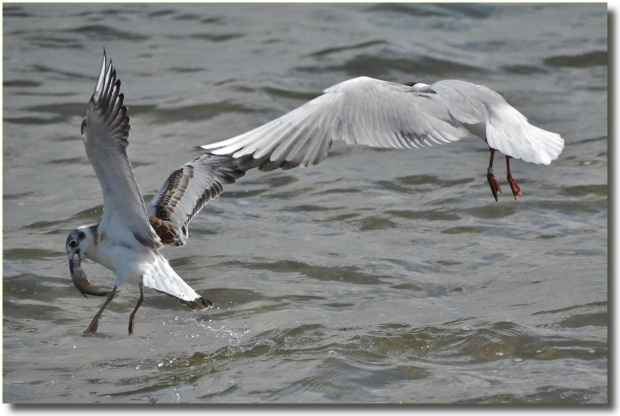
[
  {"x": 383, "y": 114},
  {"x": 128, "y": 238}
]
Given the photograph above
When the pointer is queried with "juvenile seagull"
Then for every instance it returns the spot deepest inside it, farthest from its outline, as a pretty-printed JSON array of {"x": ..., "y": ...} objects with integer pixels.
[
  {"x": 384, "y": 114},
  {"x": 128, "y": 238}
]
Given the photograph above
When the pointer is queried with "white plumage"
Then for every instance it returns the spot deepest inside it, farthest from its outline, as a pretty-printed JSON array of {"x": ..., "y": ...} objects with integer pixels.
[
  {"x": 128, "y": 238},
  {"x": 361, "y": 111},
  {"x": 383, "y": 114}
]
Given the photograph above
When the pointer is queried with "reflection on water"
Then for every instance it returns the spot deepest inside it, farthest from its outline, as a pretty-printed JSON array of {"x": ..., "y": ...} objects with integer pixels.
[{"x": 378, "y": 276}]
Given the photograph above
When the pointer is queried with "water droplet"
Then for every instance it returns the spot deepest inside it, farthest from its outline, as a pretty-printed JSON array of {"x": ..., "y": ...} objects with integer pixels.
[{"x": 138, "y": 367}]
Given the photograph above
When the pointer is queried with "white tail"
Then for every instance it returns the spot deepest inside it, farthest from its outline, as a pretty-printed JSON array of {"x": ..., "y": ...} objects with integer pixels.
[
  {"x": 162, "y": 277},
  {"x": 509, "y": 131}
]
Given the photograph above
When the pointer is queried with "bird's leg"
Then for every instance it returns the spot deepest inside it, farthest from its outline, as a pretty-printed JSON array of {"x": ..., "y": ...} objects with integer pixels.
[
  {"x": 491, "y": 178},
  {"x": 516, "y": 191},
  {"x": 133, "y": 314},
  {"x": 92, "y": 328}
]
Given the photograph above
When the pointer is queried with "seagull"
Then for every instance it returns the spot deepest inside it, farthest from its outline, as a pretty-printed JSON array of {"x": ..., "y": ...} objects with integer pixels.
[
  {"x": 129, "y": 236},
  {"x": 383, "y": 114}
]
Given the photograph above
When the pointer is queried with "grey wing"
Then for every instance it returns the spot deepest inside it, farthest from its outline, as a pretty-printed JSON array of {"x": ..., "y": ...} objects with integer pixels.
[
  {"x": 105, "y": 131},
  {"x": 362, "y": 111},
  {"x": 186, "y": 191},
  {"x": 466, "y": 102}
]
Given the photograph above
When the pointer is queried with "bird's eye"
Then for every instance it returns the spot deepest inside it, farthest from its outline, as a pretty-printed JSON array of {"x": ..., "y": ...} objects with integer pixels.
[{"x": 73, "y": 243}]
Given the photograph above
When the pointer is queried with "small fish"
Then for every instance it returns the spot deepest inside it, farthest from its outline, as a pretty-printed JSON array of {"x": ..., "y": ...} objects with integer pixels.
[{"x": 80, "y": 280}]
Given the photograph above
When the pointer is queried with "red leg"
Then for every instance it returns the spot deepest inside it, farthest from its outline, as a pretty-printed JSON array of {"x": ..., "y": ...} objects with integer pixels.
[
  {"x": 133, "y": 314},
  {"x": 94, "y": 325},
  {"x": 516, "y": 191},
  {"x": 491, "y": 178}
]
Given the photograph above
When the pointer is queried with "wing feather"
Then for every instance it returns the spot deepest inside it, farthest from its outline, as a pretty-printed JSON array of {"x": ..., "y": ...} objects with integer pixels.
[
  {"x": 377, "y": 113},
  {"x": 188, "y": 189},
  {"x": 362, "y": 111},
  {"x": 105, "y": 132}
]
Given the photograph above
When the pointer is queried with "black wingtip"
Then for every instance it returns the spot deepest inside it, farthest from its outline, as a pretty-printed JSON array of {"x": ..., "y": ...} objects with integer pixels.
[{"x": 199, "y": 303}]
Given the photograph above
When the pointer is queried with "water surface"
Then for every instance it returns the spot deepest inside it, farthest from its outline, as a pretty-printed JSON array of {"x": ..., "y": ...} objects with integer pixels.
[{"x": 378, "y": 276}]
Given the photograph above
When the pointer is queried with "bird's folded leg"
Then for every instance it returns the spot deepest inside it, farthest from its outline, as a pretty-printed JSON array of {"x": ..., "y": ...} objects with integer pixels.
[
  {"x": 133, "y": 314},
  {"x": 516, "y": 191},
  {"x": 493, "y": 183},
  {"x": 491, "y": 178},
  {"x": 94, "y": 325}
]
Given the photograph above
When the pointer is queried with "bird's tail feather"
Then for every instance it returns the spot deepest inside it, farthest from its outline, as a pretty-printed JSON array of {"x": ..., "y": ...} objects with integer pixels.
[
  {"x": 509, "y": 131},
  {"x": 161, "y": 277}
]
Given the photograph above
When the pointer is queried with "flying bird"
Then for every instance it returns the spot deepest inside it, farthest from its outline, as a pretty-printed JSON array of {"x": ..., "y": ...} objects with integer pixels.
[
  {"x": 383, "y": 114},
  {"x": 130, "y": 234},
  {"x": 362, "y": 111}
]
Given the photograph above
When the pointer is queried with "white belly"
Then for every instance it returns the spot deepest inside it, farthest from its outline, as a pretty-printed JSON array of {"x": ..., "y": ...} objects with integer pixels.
[{"x": 129, "y": 264}]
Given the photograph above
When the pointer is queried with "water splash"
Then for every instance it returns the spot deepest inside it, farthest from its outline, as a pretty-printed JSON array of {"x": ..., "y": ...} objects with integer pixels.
[{"x": 234, "y": 335}]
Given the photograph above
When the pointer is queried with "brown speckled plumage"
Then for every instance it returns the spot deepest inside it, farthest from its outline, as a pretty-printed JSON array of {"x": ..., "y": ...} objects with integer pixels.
[
  {"x": 186, "y": 191},
  {"x": 167, "y": 232}
]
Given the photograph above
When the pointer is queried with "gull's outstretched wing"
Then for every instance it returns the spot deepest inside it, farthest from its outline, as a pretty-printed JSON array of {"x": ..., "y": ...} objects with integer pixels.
[
  {"x": 186, "y": 191},
  {"x": 383, "y": 114},
  {"x": 105, "y": 131},
  {"x": 487, "y": 114},
  {"x": 358, "y": 111}
]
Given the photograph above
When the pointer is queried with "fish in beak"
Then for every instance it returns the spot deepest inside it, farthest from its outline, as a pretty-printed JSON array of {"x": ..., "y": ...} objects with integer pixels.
[{"x": 80, "y": 280}]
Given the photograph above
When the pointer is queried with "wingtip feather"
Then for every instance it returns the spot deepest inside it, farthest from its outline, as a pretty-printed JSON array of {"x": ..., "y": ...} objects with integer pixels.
[
  {"x": 199, "y": 303},
  {"x": 102, "y": 74}
]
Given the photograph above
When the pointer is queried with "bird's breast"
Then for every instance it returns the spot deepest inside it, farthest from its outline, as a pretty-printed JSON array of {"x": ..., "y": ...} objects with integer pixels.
[{"x": 128, "y": 262}]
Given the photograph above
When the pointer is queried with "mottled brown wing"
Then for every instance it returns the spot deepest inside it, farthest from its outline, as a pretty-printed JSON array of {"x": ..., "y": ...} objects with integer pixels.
[{"x": 186, "y": 191}]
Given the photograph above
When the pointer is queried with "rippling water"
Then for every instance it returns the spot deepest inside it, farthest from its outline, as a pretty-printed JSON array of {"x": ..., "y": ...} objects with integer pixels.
[{"x": 378, "y": 276}]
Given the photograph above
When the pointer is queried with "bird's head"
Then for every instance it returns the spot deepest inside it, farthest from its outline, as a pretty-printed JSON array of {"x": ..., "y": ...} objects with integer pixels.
[{"x": 77, "y": 243}]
